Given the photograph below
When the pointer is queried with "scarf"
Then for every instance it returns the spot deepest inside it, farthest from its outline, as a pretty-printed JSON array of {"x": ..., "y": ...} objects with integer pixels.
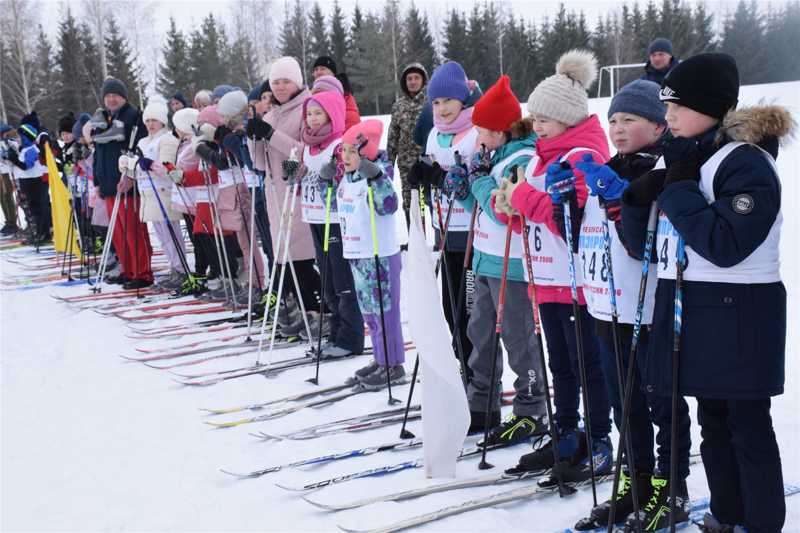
[
  {"x": 317, "y": 135},
  {"x": 462, "y": 122}
]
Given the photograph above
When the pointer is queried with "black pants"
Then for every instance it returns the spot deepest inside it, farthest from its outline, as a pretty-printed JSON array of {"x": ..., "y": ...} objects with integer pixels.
[
  {"x": 31, "y": 191},
  {"x": 347, "y": 322},
  {"x": 455, "y": 263},
  {"x": 201, "y": 261},
  {"x": 262, "y": 224},
  {"x": 742, "y": 463},
  {"x": 209, "y": 244}
]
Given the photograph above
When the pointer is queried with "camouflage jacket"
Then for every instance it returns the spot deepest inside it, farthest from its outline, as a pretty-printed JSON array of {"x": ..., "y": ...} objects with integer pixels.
[{"x": 405, "y": 112}]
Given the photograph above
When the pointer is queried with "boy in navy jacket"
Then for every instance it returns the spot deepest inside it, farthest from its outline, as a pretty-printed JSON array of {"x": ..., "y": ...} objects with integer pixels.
[{"x": 718, "y": 188}]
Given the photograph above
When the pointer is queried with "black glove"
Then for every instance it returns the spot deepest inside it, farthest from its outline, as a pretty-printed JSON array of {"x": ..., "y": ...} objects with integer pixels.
[
  {"x": 259, "y": 129},
  {"x": 14, "y": 158},
  {"x": 368, "y": 169},
  {"x": 328, "y": 171},
  {"x": 645, "y": 190},
  {"x": 416, "y": 174},
  {"x": 434, "y": 175},
  {"x": 685, "y": 169},
  {"x": 221, "y": 132}
]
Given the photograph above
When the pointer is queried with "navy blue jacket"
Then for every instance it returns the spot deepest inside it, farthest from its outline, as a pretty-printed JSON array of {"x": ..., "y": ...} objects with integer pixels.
[
  {"x": 105, "y": 162},
  {"x": 733, "y": 335},
  {"x": 651, "y": 74}
]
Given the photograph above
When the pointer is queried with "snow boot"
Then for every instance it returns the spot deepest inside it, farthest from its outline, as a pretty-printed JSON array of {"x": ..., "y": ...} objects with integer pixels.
[
  {"x": 711, "y": 525},
  {"x": 137, "y": 283},
  {"x": 377, "y": 380},
  {"x": 654, "y": 513},
  {"x": 313, "y": 325},
  {"x": 299, "y": 328},
  {"x": 115, "y": 133},
  {"x": 599, "y": 515},
  {"x": 577, "y": 467},
  {"x": 477, "y": 424},
  {"x": 516, "y": 428},
  {"x": 544, "y": 457},
  {"x": 363, "y": 372}
]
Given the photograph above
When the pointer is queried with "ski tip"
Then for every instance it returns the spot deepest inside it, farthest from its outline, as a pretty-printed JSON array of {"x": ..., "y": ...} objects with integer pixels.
[
  {"x": 350, "y": 530},
  {"x": 236, "y": 474},
  {"x": 320, "y": 505},
  {"x": 228, "y": 424},
  {"x": 295, "y": 489},
  {"x": 221, "y": 412}
]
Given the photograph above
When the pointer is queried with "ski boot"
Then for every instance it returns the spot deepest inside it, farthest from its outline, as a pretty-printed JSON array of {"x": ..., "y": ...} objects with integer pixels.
[
  {"x": 711, "y": 525},
  {"x": 654, "y": 513},
  {"x": 599, "y": 515},
  {"x": 544, "y": 457},
  {"x": 115, "y": 133},
  {"x": 577, "y": 467},
  {"x": 516, "y": 428},
  {"x": 377, "y": 380},
  {"x": 363, "y": 372},
  {"x": 477, "y": 424}
]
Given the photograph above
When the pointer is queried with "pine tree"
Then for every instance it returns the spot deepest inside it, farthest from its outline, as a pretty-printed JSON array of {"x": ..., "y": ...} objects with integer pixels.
[
  {"x": 242, "y": 67},
  {"x": 475, "y": 51},
  {"x": 79, "y": 81},
  {"x": 418, "y": 41},
  {"x": 117, "y": 60},
  {"x": 92, "y": 69},
  {"x": 743, "y": 37},
  {"x": 455, "y": 40},
  {"x": 175, "y": 72},
  {"x": 340, "y": 45},
  {"x": 42, "y": 78},
  {"x": 371, "y": 67},
  {"x": 320, "y": 45},
  {"x": 782, "y": 26},
  {"x": 296, "y": 38},
  {"x": 651, "y": 28},
  {"x": 702, "y": 31},
  {"x": 205, "y": 59},
  {"x": 492, "y": 60},
  {"x": 519, "y": 57}
]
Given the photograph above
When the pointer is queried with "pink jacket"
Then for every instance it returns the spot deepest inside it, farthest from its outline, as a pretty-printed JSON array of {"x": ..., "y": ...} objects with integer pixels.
[
  {"x": 537, "y": 206},
  {"x": 287, "y": 119}
]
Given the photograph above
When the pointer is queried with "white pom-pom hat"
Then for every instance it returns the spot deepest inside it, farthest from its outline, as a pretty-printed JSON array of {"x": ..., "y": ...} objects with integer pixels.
[{"x": 563, "y": 97}]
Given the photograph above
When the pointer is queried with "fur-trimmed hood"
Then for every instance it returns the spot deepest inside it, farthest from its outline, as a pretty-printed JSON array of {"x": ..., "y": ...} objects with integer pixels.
[{"x": 758, "y": 124}]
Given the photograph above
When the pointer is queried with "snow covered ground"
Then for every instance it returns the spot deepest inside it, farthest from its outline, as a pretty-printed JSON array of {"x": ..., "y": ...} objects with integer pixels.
[{"x": 91, "y": 442}]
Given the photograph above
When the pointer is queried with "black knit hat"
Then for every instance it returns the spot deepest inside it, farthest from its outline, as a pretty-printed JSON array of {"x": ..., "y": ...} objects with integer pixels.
[
  {"x": 66, "y": 122},
  {"x": 31, "y": 118},
  {"x": 707, "y": 83},
  {"x": 327, "y": 62},
  {"x": 114, "y": 86}
]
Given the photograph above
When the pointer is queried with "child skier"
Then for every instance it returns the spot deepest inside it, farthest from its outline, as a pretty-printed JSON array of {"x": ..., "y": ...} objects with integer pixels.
[
  {"x": 559, "y": 108},
  {"x": 322, "y": 135},
  {"x": 366, "y": 166},
  {"x": 28, "y": 174},
  {"x": 157, "y": 149},
  {"x": 510, "y": 139},
  {"x": 719, "y": 191},
  {"x": 636, "y": 123},
  {"x": 452, "y": 101}
]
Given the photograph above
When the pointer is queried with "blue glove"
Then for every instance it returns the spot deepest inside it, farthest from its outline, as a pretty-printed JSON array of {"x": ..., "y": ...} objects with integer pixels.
[
  {"x": 457, "y": 182},
  {"x": 559, "y": 181},
  {"x": 601, "y": 180},
  {"x": 233, "y": 144},
  {"x": 145, "y": 163}
]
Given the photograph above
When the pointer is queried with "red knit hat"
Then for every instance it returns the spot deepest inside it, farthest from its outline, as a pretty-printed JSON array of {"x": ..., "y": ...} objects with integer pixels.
[
  {"x": 498, "y": 108},
  {"x": 372, "y": 130}
]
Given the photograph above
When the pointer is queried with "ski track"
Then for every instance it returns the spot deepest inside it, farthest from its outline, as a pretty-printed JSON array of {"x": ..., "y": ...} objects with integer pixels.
[{"x": 91, "y": 442}]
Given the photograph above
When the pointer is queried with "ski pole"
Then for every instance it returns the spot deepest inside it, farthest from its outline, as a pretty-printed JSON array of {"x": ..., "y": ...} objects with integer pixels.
[
  {"x": 202, "y": 242},
  {"x": 253, "y": 242},
  {"x": 226, "y": 265},
  {"x": 287, "y": 240},
  {"x": 562, "y": 488},
  {"x": 107, "y": 245},
  {"x": 315, "y": 379},
  {"x": 652, "y": 222},
  {"x": 216, "y": 234},
  {"x": 578, "y": 337},
  {"x": 618, "y": 355},
  {"x": 392, "y": 400},
  {"x": 496, "y": 345},
  {"x": 676, "y": 368}
]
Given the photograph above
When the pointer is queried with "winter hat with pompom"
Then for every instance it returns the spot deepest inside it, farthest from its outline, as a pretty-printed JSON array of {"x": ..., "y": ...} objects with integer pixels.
[
  {"x": 66, "y": 122},
  {"x": 563, "y": 97},
  {"x": 372, "y": 130},
  {"x": 185, "y": 118},
  {"x": 156, "y": 110},
  {"x": 232, "y": 104},
  {"x": 498, "y": 108},
  {"x": 77, "y": 128}
]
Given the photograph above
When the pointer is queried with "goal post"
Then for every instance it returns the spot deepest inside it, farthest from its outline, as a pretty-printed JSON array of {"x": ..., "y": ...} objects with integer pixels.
[{"x": 611, "y": 76}]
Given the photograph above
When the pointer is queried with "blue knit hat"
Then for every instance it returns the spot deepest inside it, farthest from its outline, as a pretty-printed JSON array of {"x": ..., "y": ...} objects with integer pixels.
[
  {"x": 77, "y": 129},
  {"x": 640, "y": 98},
  {"x": 661, "y": 45},
  {"x": 179, "y": 97},
  {"x": 220, "y": 91},
  {"x": 449, "y": 81},
  {"x": 28, "y": 131},
  {"x": 255, "y": 94}
]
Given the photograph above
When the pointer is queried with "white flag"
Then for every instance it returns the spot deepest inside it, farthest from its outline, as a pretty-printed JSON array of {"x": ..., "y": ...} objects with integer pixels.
[{"x": 445, "y": 412}]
